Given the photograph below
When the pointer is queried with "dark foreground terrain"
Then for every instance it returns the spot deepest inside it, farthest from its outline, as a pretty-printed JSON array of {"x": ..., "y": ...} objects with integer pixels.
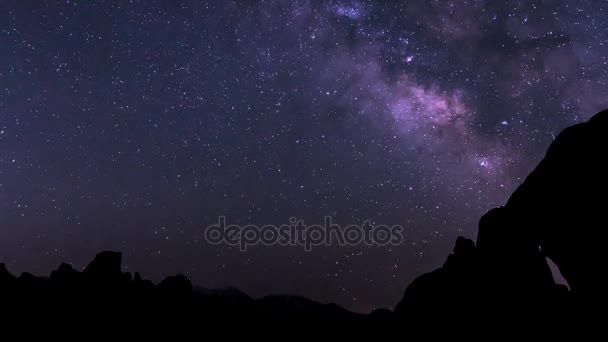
[{"x": 559, "y": 212}]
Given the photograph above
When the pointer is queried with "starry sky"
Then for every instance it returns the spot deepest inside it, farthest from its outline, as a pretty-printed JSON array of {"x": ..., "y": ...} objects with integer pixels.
[{"x": 132, "y": 125}]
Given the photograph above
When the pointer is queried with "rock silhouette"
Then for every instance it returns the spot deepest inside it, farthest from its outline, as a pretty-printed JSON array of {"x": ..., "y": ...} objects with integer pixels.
[
  {"x": 104, "y": 290},
  {"x": 562, "y": 203},
  {"x": 557, "y": 213}
]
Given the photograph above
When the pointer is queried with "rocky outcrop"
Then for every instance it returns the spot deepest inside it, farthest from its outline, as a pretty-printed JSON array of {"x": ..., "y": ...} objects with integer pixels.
[
  {"x": 556, "y": 213},
  {"x": 107, "y": 293},
  {"x": 562, "y": 203}
]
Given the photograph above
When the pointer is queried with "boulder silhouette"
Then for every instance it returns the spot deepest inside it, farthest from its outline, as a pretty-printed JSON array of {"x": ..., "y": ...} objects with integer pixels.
[
  {"x": 105, "y": 265},
  {"x": 434, "y": 295},
  {"x": 5, "y": 275},
  {"x": 65, "y": 274},
  {"x": 177, "y": 286}
]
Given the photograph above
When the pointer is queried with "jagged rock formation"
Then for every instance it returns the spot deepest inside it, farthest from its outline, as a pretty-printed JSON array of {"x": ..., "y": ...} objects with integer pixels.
[{"x": 103, "y": 290}]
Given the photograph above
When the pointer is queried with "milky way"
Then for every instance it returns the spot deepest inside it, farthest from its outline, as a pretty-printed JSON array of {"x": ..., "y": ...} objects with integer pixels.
[{"x": 133, "y": 125}]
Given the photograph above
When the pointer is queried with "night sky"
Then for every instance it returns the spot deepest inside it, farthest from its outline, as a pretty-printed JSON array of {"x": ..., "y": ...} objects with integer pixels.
[{"x": 133, "y": 125}]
